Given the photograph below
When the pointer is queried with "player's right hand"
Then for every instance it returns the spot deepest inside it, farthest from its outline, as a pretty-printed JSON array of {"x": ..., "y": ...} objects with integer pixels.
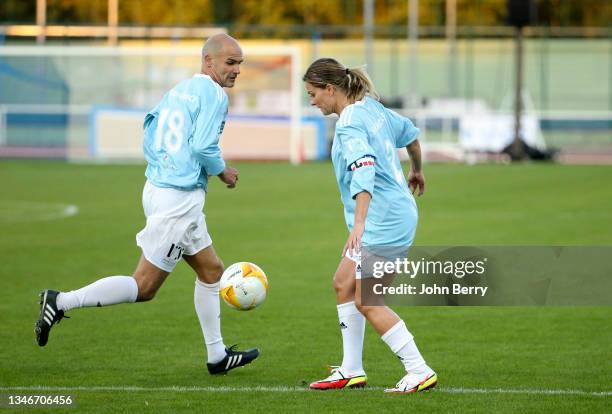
[
  {"x": 229, "y": 176},
  {"x": 416, "y": 181}
]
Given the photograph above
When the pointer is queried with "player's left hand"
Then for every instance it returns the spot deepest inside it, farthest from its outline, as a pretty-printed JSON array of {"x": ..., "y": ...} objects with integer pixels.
[
  {"x": 353, "y": 244},
  {"x": 416, "y": 180},
  {"x": 229, "y": 176}
]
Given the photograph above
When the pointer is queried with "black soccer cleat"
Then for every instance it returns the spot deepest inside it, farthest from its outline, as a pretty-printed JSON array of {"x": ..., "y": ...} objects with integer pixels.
[
  {"x": 49, "y": 316},
  {"x": 233, "y": 359}
]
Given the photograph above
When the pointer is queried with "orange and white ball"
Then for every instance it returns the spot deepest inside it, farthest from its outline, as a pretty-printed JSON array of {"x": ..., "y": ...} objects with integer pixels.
[{"x": 243, "y": 286}]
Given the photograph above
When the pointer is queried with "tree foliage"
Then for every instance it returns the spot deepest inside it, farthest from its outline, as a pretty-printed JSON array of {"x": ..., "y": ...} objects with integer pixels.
[{"x": 307, "y": 14}]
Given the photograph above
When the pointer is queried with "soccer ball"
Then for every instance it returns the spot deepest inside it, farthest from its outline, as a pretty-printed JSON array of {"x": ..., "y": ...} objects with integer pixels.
[{"x": 243, "y": 286}]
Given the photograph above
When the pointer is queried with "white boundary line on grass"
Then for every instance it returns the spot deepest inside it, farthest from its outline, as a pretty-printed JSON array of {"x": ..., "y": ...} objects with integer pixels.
[
  {"x": 449, "y": 390},
  {"x": 22, "y": 211}
]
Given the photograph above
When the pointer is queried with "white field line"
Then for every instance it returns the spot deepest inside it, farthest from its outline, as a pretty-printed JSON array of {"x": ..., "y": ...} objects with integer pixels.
[
  {"x": 21, "y": 211},
  {"x": 449, "y": 390}
]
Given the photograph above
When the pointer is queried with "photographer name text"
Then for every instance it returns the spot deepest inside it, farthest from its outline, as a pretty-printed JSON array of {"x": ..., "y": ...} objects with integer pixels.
[{"x": 423, "y": 289}]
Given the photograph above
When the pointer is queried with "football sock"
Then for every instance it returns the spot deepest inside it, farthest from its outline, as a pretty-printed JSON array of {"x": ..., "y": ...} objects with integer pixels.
[
  {"x": 401, "y": 342},
  {"x": 103, "y": 292},
  {"x": 208, "y": 308},
  {"x": 352, "y": 326}
]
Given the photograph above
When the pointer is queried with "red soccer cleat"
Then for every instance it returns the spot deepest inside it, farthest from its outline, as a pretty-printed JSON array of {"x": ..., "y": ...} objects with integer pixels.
[{"x": 338, "y": 380}]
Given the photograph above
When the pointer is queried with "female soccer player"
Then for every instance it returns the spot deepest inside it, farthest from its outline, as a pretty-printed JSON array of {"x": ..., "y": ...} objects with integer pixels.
[{"x": 379, "y": 210}]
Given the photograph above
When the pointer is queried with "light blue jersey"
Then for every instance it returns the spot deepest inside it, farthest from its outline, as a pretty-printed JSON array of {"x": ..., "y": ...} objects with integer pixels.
[
  {"x": 181, "y": 143},
  {"x": 365, "y": 158}
]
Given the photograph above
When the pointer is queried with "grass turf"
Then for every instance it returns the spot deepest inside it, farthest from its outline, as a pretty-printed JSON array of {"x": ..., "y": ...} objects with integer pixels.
[{"x": 288, "y": 220}]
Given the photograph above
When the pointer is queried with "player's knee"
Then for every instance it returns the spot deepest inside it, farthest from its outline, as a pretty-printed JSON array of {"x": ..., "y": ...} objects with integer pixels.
[
  {"x": 338, "y": 285},
  {"x": 343, "y": 287},
  {"x": 212, "y": 273}
]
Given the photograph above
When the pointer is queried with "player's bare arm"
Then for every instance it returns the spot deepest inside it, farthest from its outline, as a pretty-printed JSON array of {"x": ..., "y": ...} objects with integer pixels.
[
  {"x": 361, "y": 211},
  {"x": 416, "y": 178}
]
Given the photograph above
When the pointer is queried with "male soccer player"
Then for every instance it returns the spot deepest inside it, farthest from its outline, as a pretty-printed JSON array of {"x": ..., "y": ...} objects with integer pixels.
[{"x": 181, "y": 147}]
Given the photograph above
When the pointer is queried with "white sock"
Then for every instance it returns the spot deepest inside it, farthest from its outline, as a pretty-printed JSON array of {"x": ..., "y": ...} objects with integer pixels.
[
  {"x": 401, "y": 342},
  {"x": 352, "y": 326},
  {"x": 208, "y": 308},
  {"x": 103, "y": 292}
]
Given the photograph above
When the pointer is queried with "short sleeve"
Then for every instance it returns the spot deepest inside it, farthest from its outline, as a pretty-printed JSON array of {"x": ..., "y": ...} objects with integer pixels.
[
  {"x": 359, "y": 157},
  {"x": 404, "y": 129},
  {"x": 354, "y": 141}
]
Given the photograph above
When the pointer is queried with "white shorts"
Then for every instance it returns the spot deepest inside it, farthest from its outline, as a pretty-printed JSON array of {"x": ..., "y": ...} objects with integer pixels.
[
  {"x": 355, "y": 256},
  {"x": 175, "y": 225},
  {"x": 368, "y": 257}
]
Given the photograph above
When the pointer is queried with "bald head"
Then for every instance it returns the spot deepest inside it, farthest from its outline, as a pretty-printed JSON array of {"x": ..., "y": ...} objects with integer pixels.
[
  {"x": 216, "y": 44},
  {"x": 221, "y": 59}
]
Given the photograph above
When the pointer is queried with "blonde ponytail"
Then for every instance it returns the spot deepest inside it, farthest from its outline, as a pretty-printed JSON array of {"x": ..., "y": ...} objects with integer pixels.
[
  {"x": 359, "y": 84},
  {"x": 355, "y": 83}
]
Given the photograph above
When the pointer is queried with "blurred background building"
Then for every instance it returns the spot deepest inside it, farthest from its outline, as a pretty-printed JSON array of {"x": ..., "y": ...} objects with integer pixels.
[{"x": 76, "y": 77}]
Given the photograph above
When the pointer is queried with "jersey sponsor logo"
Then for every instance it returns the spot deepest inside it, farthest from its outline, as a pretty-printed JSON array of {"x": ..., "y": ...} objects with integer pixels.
[
  {"x": 183, "y": 96},
  {"x": 362, "y": 162}
]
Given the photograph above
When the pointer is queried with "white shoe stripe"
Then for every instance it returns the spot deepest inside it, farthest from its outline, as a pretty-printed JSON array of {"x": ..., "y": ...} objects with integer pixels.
[
  {"x": 50, "y": 309},
  {"x": 47, "y": 313},
  {"x": 47, "y": 320},
  {"x": 229, "y": 362},
  {"x": 239, "y": 359}
]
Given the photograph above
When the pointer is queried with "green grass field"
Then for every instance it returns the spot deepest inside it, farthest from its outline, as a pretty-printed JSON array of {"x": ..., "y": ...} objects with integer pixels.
[{"x": 150, "y": 357}]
